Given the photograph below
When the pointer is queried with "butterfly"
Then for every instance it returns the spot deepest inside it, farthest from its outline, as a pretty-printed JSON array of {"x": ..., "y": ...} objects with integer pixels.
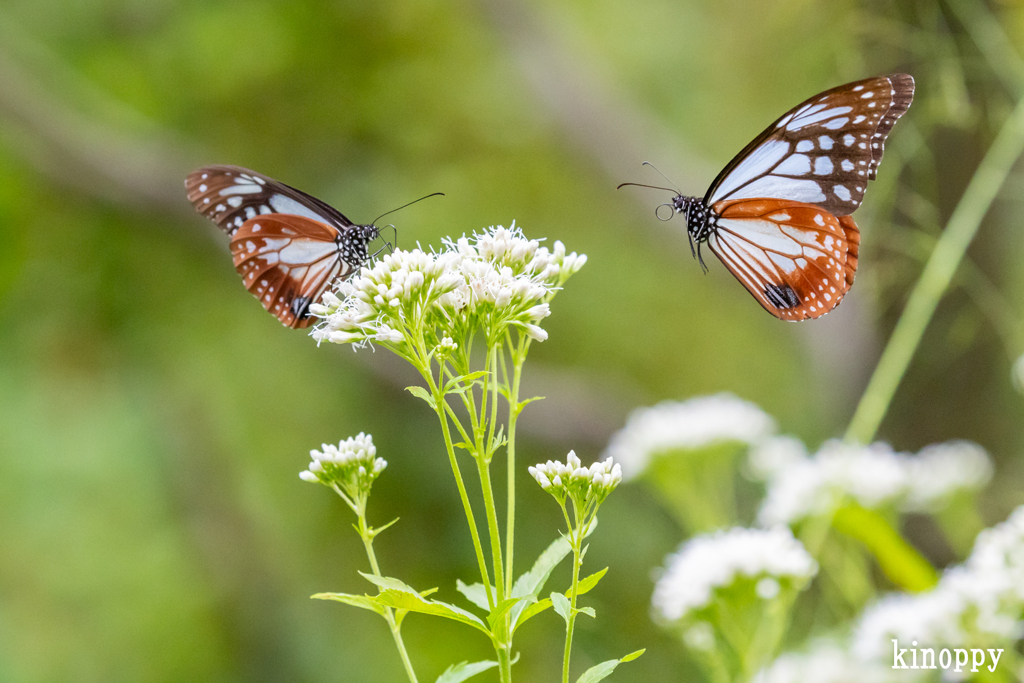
[
  {"x": 778, "y": 215},
  {"x": 288, "y": 246}
]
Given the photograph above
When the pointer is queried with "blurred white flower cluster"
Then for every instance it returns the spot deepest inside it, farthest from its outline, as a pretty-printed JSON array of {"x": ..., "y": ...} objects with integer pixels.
[
  {"x": 873, "y": 476},
  {"x": 571, "y": 478},
  {"x": 978, "y": 602},
  {"x": 686, "y": 425},
  {"x": 495, "y": 280},
  {"x": 713, "y": 562},
  {"x": 352, "y": 465},
  {"x": 825, "y": 661}
]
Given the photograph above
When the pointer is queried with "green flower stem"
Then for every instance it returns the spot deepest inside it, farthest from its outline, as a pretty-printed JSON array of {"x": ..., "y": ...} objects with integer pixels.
[
  {"x": 938, "y": 273},
  {"x": 492, "y": 525},
  {"x": 440, "y": 405},
  {"x": 518, "y": 356},
  {"x": 577, "y": 543},
  {"x": 367, "y": 534}
]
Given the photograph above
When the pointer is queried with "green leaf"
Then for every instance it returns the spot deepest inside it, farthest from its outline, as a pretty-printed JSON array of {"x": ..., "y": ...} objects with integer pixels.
[
  {"x": 562, "y": 605},
  {"x": 460, "y": 384},
  {"x": 396, "y": 594},
  {"x": 361, "y": 601},
  {"x": 504, "y": 606},
  {"x": 588, "y": 584},
  {"x": 524, "y": 403},
  {"x": 420, "y": 392},
  {"x": 456, "y": 673},
  {"x": 532, "y": 611},
  {"x": 604, "y": 669},
  {"x": 585, "y": 586},
  {"x": 532, "y": 582},
  {"x": 375, "y": 532},
  {"x": 589, "y": 611},
  {"x": 476, "y": 593}
]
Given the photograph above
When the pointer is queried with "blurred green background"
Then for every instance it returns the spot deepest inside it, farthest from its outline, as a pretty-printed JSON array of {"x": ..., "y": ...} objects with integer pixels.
[{"x": 153, "y": 418}]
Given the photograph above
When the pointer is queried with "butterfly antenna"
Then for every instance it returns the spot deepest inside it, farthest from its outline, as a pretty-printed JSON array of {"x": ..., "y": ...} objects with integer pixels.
[
  {"x": 435, "y": 194},
  {"x": 677, "y": 190},
  {"x": 653, "y": 187}
]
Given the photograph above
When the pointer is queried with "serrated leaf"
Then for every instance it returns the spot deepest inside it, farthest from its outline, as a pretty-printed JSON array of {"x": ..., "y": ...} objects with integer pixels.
[
  {"x": 361, "y": 601},
  {"x": 456, "y": 673},
  {"x": 562, "y": 605},
  {"x": 589, "y": 611},
  {"x": 420, "y": 392},
  {"x": 414, "y": 602},
  {"x": 476, "y": 593},
  {"x": 604, "y": 669},
  {"x": 532, "y": 582}
]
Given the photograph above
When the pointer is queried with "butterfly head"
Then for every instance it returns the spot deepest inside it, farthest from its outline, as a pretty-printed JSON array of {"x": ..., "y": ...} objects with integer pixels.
[{"x": 354, "y": 243}]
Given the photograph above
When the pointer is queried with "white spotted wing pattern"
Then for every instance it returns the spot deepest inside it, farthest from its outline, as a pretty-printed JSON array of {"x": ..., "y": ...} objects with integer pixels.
[
  {"x": 288, "y": 246},
  {"x": 823, "y": 151},
  {"x": 778, "y": 215}
]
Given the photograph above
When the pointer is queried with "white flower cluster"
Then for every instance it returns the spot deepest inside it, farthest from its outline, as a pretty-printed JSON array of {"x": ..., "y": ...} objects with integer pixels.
[
  {"x": 497, "y": 279},
  {"x": 352, "y": 464},
  {"x": 980, "y": 602},
  {"x": 573, "y": 479},
  {"x": 687, "y": 425},
  {"x": 708, "y": 563},
  {"x": 873, "y": 476}
]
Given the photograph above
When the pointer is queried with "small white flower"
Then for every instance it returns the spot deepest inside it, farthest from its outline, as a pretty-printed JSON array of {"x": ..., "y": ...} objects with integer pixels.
[
  {"x": 700, "y": 636},
  {"x": 687, "y": 425},
  {"x": 767, "y": 588},
  {"x": 710, "y": 562}
]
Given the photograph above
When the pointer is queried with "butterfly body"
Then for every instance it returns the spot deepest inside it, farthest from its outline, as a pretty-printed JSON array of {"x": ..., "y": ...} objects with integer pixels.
[
  {"x": 288, "y": 246},
  {"x": 778, "y": 215}
]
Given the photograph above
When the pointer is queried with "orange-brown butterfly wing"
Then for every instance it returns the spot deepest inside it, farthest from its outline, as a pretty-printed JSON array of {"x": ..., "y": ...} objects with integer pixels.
[
  {"x": 798, "y": 260},
  {"x": 287, "y": 262}
]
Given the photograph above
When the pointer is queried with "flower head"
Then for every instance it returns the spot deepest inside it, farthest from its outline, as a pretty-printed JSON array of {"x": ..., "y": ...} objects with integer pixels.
[
  {"x": 687, "y": 425},
  {"x": 767, "y": 559},
  {"x": 494, "y": 281},
  {"x": 352, "y": 466},
  {"x": 584, "y": 485}
]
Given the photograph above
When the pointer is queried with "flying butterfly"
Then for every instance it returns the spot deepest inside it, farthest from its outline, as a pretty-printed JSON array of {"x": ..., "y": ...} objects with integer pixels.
[
  {"x": 288, "y": 246},
  {"x": 778, "y": 215}
]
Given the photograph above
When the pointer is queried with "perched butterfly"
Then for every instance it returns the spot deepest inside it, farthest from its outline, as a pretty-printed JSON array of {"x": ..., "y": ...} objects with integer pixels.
[
  {"x": 288, "y": 247},
  {"x": 778, "y": 215}
]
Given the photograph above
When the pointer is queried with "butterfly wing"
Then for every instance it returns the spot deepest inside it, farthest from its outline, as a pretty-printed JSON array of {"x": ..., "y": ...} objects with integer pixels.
[
  {"x": 231, "y": 195},
  {"x": 821, "y": 152},
  {"x": 797, "y": 259},
  {"x": 287, "y": 262}
]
